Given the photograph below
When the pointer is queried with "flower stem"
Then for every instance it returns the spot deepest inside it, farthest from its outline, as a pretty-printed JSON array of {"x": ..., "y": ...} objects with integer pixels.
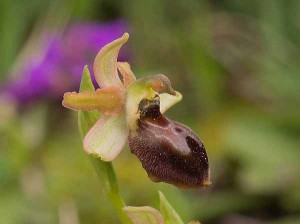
[
  {"x": 107, "y": 176},
  {"x": 104, "y": 170}
]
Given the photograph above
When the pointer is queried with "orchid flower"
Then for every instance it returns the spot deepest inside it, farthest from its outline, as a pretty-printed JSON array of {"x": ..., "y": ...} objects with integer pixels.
[{"x": 132, "y": 109}]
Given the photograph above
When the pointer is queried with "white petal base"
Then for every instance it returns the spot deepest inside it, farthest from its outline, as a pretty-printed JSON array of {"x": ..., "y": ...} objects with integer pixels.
[
  {"x": 107, "y": 137},
  {"x": 167, "y": 101}
]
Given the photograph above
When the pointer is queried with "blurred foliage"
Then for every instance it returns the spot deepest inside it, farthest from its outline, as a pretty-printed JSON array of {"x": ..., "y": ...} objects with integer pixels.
[{"x": 237, "y": 66}]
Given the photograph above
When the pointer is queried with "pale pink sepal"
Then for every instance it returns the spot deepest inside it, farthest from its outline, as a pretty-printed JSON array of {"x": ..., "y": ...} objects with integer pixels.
[
  {"x": 143, "y": 215},
  {"x": 105, "y": 64},
  {"x": 107, "y": 137}
]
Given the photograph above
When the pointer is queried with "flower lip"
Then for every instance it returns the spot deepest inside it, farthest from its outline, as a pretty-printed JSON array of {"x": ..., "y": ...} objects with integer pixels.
[{"x": 168, "y": 155}]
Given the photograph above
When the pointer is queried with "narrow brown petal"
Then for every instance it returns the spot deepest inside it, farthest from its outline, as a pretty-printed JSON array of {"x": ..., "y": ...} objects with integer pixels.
[{"x": 127, "y": 74}]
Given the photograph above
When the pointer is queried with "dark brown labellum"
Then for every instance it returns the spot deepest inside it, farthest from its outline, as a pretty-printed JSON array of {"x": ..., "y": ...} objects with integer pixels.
[{"x": 169, "y": 151}]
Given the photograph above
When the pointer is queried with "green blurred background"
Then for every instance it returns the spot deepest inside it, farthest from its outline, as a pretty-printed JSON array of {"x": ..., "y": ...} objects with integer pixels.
[{"x": 237, "y": 64}]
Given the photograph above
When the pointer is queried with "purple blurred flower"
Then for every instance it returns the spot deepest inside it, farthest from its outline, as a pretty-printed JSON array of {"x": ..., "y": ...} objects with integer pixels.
[{"x": 59, "y": 67}]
